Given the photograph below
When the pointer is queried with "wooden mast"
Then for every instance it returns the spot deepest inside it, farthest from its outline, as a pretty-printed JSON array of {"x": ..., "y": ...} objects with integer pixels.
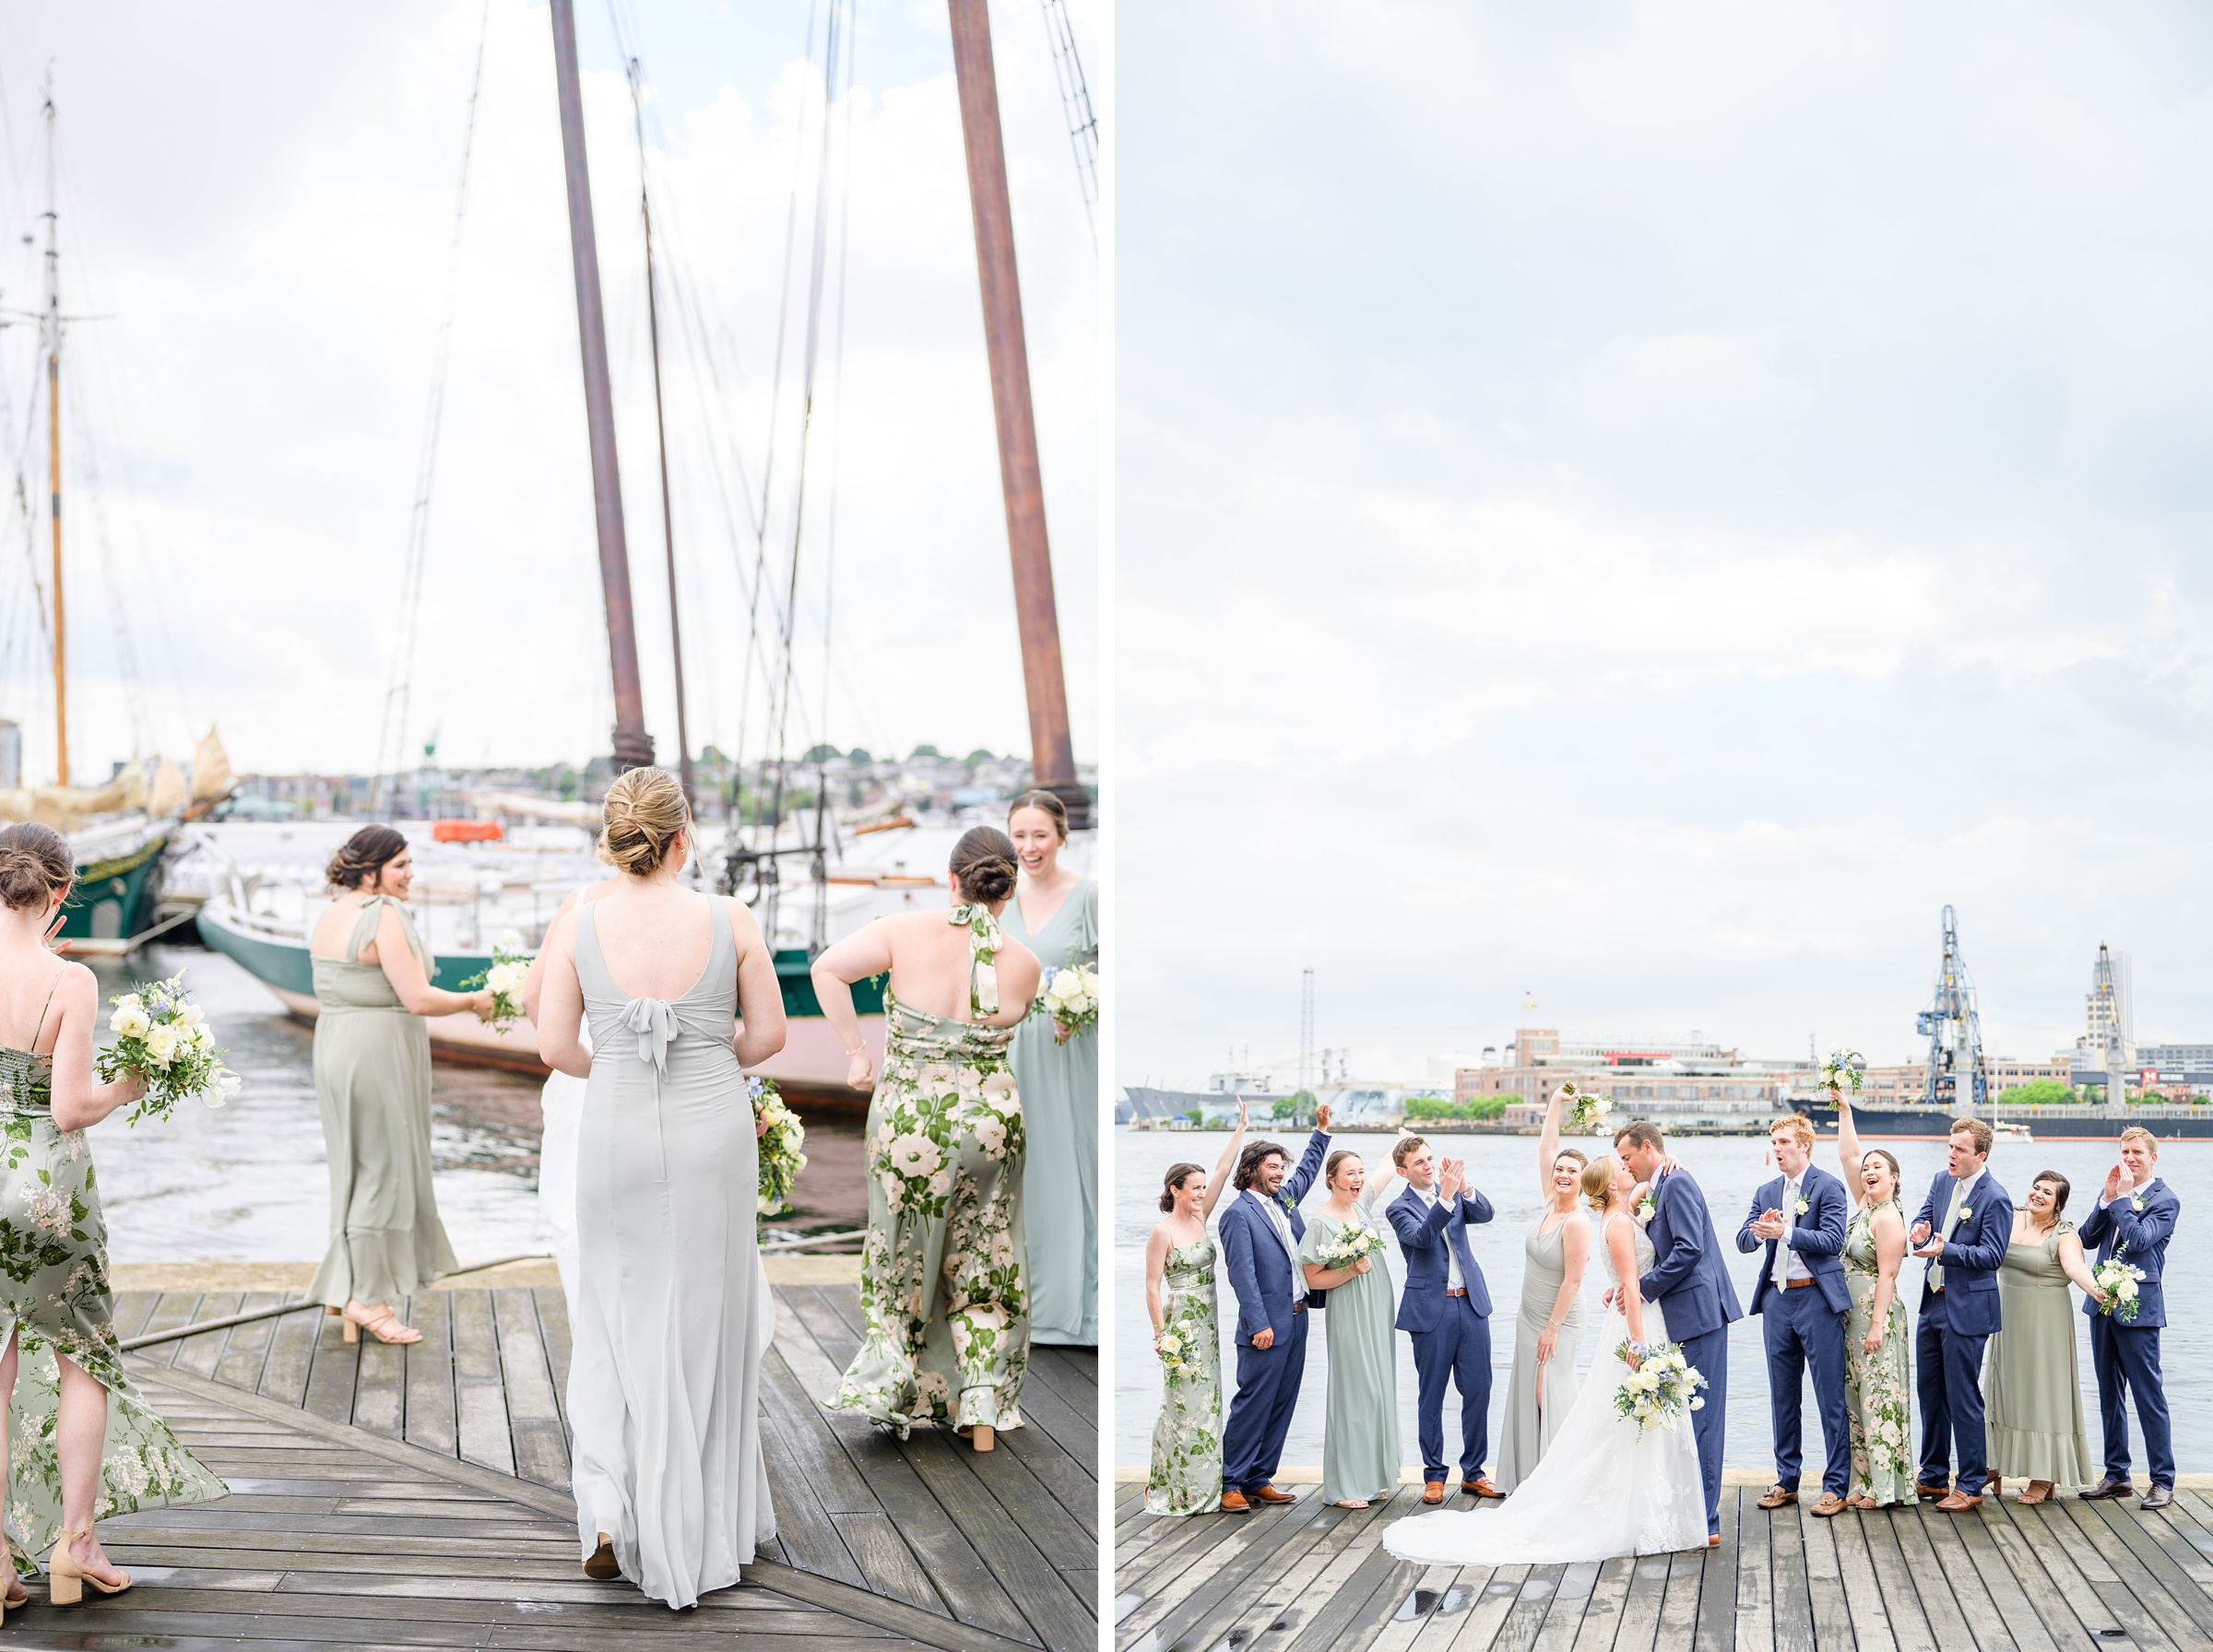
[
  {"x": 54, "y": 460},
  {"x": 1052, "y": 757},
  {"x": 634, "y": 746}
]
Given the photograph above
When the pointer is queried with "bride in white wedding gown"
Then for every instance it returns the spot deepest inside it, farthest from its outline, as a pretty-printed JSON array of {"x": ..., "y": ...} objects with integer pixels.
[{"x": 1607, "y": 1486}]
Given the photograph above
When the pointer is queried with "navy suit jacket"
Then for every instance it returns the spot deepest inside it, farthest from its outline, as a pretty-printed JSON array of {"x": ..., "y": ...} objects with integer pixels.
[
  {"x": 2139, "y": 1238},
  {"x": 1818, "y": 1237},
  {"x": 1260, "y": 1267},
  {"x": 1972, "y": 1254},
  {"x": 1687, "y": 1278},
  {"x": 1424, "y": 1232}
]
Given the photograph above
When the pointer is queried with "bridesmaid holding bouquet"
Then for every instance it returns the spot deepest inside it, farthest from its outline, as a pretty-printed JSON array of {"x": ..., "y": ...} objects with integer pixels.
[
  {"x": 1360, "y": 1453},
  {"x": 1186, "y": 1476},
  {"x": 1055, "y": 913}
]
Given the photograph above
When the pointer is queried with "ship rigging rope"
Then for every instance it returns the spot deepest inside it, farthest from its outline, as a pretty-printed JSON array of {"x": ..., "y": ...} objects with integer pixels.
[
  {"x": 1075, "y": 102},
  {"x": 392, "y": 731}
]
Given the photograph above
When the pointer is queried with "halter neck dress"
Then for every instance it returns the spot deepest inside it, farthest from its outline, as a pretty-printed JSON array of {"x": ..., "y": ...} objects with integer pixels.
[
  {"x": 373, "y": 1087},
  {"x": 665, "y": 1377},
  {"x": 944, "y": 1295},
  {"x": 53, "y": 1297},
  {"x": 1060, "y": 1088}
]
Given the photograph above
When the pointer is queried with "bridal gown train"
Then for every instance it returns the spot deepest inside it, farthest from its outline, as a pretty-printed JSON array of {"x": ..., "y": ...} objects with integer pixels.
[
  {"x": 1607, "y": 1486},
  {"x": 671, "y": 1318}
]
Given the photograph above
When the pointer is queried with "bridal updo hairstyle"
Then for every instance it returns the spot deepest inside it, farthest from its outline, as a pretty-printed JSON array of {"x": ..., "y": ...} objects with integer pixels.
[
  {"x": 984, "y": 862},
  {"x": 34, "y": 862},
  {"x": 644, "y": 810},
  {"x": 1172, "y": 1183},
  {"x": 1051, "y": 807},
  {"x": 1598, "y": 1181},
  {"x": 1329, "y": 1171},
  {"x": 363, "y": 856}
]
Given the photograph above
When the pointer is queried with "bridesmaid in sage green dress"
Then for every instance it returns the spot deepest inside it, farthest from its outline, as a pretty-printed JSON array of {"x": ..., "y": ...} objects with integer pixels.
[
  {"x": 1055, "y": 913},
  {"x": 1548, "y": 1329},
  {"x": 1360, "y": 1455},
  {"x": 1186, "y": 1475},
  {"x": 2030, "y": 1379},
  {"x": 1877, "y": 1386},
  {"x": 373, "y": 1086}
]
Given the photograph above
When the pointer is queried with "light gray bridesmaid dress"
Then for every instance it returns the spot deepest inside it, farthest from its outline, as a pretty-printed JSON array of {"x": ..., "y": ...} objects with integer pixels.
[
  {"x": 1534, "y": 1411},
  {"x": 665, "y": 1379},
  {"x": 1060, "y": 1088}
]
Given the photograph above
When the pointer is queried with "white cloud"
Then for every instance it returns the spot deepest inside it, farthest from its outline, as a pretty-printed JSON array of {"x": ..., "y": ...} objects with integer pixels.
[{"x": 1679, "y": 383}]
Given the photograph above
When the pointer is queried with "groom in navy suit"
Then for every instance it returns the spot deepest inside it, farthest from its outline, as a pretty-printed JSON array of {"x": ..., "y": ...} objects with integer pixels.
[
  {"x": 1963, "y": 1229},
  {"x": 1802, "y": 1298},
  {"x": 1445, "y": 1308},
  {"x": 1692, "y": 1288},
  {"x": 1260, "y": 1230},
  {"x": 2134, "y": 1221}
]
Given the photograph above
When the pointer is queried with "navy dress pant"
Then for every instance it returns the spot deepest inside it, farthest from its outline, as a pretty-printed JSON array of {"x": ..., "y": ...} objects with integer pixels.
[
  {"x": 1708, "y": 1356},
  {"x": 2127, "y": 1361},
  {"x": 1948, "y": 1376},
  {"x": 1259, "y": 1414},
  {"x": 1457, "y": 1347},
  {"x": 1802, "y": 1329}
]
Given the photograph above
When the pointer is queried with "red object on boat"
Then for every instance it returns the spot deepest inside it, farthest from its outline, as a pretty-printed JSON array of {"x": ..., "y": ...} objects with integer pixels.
[{"x": 466, "y": 831}]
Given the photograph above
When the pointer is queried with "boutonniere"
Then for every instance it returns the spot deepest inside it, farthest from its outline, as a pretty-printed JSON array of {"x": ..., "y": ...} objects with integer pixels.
[
  {"x": 1966, "y": 1211},
  {"x": 1646, "y": 1209},
  {"x": 2135, "y": 1202},
  {"x": 1802, "y": 1206}
]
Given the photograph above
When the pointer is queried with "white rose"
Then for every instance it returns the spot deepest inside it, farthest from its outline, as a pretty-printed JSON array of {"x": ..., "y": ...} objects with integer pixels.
[
  {"x": 191, "y": 1015},
  {"x": 507, "y": 940},
  {"x": 130, "y": 1021},
  {"x": 2128, "y": 1290},
  {"x": 130, "y": 1000},
  {"x": 508, "y": 978},
  {"x": 160, "y": 1044}
]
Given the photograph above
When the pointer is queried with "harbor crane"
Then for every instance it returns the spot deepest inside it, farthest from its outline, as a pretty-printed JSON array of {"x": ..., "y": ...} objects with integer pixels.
[{"x": 1958, "y": 1076}]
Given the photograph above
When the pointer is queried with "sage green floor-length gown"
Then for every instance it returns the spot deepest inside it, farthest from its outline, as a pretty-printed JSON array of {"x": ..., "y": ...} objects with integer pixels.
[
  {"x": 55, "y": 1297},
  {"x": 1534, "y": 1409},
  {"x": 1876, "y": 1388},
  {"x": 2030, "y": 1384},
  {"x": 1360, "y": 1456},
  {"x": 373, "y": 1087},
  {"x": 1060, "y": 1086},
  {"x": 944, "y": 1295}
]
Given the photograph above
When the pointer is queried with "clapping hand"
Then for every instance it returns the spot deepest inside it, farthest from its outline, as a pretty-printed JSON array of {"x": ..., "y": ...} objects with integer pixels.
[
  {"x": 1768, "y": 1225},
  {"x": 2115, "y": 1180},
  {"x": 1452, "y": 1181},
  {"x": 1920, "y": 1234}
]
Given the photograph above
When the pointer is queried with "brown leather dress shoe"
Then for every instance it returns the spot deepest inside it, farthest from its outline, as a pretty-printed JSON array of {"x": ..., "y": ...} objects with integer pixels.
[
  {"x": 1433, "y": 1492},
  {"x": 1829, "y": 1507},
  {"x": 1929, "y": 1494},
  {"x": 1269, "y": 1494},
  {"x": 1778, "y": 1496},
  {"x": 1480, "y": 1487},
  {"x": 1959, "y": 1502},
  {"x": 1233, "y": 1503},
  {"x": 1713, "y": 1539}
]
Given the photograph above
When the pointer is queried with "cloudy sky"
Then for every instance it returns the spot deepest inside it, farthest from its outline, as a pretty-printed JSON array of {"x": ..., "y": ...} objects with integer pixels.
[
  {"x": 261, "y": 197},
  {"x": 1639, "y": 506}
]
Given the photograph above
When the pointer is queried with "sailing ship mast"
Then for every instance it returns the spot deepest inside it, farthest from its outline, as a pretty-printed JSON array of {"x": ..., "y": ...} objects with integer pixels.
[
  {"x": 634, "y": 746},
  {"x": 1052, "y": 759},
  {"x": 51, "y": 328}
]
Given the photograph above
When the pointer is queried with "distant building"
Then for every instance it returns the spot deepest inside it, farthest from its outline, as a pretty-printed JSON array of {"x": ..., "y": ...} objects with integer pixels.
[{"x": 1644, "y": 1077}]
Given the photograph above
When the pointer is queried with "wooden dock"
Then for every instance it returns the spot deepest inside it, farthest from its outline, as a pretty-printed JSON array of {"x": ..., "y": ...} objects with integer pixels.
[
  {"x": 1311, "y": 1578},
  {"x": 419, "y": 1497}
]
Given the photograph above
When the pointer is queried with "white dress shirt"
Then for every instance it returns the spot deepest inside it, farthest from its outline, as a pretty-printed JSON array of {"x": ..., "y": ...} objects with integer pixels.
[
  {"x": 1789, "y": 1264},
  {"x": 1281, "y": 1224},
  {"x": 1452, "y": 1280},
  {"x": 1962, "y": 1198}
]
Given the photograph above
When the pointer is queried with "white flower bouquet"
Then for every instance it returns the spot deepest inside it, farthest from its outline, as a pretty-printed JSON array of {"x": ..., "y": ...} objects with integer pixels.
[
  {"x": 162, "y": 1037},
  {"x": 509, "y": 969},
  {"x": 779, "y": 1145},
  {"x": 2118, "y": 1280},
  {"x": 1844, "y": 1069},
  {"x": 1660, "y": 1388},
  {"x": 1587, "y": 1110},
  {"x": 1177, "y": 1345},
  {"x": 1071, "y": 996},
  {"x": 1352, "y": 1242}
]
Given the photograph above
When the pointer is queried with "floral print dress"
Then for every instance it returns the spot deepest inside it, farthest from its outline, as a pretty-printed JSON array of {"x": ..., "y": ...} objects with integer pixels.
[
  {"x": 1186, "y": 1477},
  {"x": 1876, "y": 1386},
  {"x": 944, "y": 1292},
  {"x": 53, "y": 1296}
]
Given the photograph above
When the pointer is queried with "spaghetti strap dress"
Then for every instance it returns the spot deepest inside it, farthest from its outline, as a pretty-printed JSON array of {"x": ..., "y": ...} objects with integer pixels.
[
  {"x": 373, "y": 1087},
  {"x": 944, "y": 1295},
  {"x": 1060, "y": 1088},
  {"x": 1538, "y": 1397},
  {"x": 672, "y": 1315},
  {"x": 55, "y": 1297}
]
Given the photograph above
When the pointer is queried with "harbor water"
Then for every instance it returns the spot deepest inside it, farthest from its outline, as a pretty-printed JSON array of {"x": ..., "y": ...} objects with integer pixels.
[
  {"x": 1728, "y": 1169},
  {"x": 248, "y": 1182}
]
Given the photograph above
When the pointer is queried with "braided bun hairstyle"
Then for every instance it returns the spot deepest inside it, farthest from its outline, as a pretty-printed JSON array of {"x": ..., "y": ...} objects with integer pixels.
[
  {"x": 34, "y": 862},
  {"x": 363, "y": 856},
  {"x": 1598, "y": 1181},
  {"x": 1046, "y": 804},
  {"x": 983, "y": 862},
  {"x": 645, "y": 810}
]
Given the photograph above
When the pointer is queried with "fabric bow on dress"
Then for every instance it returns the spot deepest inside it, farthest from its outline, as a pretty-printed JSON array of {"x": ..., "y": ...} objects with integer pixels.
[{"x": 654, "y": 1021}]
